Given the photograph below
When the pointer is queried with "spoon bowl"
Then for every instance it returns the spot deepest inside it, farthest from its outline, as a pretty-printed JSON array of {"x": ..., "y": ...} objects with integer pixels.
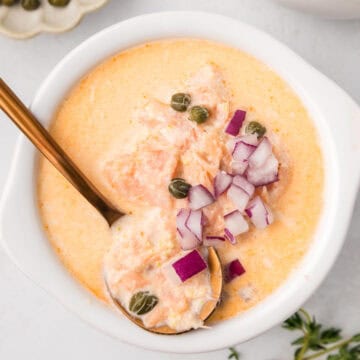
[{"x": 216, "y": 282}]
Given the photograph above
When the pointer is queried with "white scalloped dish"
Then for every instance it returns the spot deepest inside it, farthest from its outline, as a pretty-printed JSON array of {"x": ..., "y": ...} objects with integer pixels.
[{"x": 20, "y": 24}]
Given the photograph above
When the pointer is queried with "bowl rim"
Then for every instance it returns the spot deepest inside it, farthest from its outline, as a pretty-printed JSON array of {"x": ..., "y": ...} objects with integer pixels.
[{"x": 314, "y": 90}]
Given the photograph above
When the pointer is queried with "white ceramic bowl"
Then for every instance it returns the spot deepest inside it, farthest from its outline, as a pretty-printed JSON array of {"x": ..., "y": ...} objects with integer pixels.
[
  {"x": 21, "y": 24},
  {"x": 335, "y": 9},
  {"x": 335, "y": 115}
]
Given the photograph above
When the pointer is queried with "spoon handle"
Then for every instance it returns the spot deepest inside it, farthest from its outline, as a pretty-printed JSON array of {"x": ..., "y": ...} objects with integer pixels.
[{"x": 47, "y": 145}]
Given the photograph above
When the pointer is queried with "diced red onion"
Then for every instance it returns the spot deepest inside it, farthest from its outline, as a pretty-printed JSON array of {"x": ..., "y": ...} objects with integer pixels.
[
  {"x": 236, "y": 122},
  {"x": 199, "y": 197},
  {"x": 261, "y": 154},
  {"x": 239, "y": 167},
  {"x": 235, "y": 223},
  {"x": 213, "y": 240},
  {"x": 266, "y": 174},
  {"x": 181, "y": 218},
  {"x": 194, "y": 223},
  {"x": 242, "y": 151},
  {"x": 187, "y": 239},
  {"x": 259, "y": 213},
  {"x": 250, "y": 139},
  {"x": 233, "y": 270},
  {"x": 222, "y": 182},
  {"x": 247, "y": 139},
  {"x": 189, "y": 265},
  {"x": 238, "y": 196},
  {"x": 230, "y": 236},
  {"x": 242, "y": 183}
]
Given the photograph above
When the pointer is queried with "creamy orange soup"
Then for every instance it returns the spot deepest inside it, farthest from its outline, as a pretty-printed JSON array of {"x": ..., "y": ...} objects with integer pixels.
[{"x": 117, "y": 125}]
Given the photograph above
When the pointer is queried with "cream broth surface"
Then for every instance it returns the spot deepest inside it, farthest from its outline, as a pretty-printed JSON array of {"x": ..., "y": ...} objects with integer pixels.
[{"x": 102, "y": 119}]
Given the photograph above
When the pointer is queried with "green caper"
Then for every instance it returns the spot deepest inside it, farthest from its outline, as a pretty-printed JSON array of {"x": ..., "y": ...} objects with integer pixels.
[
  {"x": 59, "y": 3},
  {"x": 179, "y": 188},
  {"x": 254, "y": 127},
  {"x": 8, "y": 2},
  {"x": 180, "y": 102},
  {"x": 142, "y": 302},
  {"x": 30, "y": 4},
  {"x": 199, "y": 114}
]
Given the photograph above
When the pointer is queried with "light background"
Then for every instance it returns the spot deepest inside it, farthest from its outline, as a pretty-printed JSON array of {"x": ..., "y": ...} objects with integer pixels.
[{"x": 32, "y": 324}]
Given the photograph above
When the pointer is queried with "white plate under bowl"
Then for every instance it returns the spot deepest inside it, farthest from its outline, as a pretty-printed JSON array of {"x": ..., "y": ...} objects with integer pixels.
[
  {"x": 335, "y": 115},
  {"x": 20, "y": 24}
]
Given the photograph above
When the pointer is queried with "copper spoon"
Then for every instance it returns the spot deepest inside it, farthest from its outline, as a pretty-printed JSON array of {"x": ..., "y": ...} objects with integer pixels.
[{"x": 46, "y": 144}]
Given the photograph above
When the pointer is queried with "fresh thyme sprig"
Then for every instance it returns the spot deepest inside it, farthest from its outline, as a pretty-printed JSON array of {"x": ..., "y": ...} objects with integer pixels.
[
  {"x": 317, "y": 342},
  {"x": 234, "y": 354}
]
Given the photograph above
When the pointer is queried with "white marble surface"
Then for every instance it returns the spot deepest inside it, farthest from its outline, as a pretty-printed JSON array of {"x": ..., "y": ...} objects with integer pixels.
[{"x": 33, "y": 325}]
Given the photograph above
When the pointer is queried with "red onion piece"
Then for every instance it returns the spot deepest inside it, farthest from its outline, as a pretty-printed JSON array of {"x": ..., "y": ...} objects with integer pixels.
[
  {"x": 242, "y": 151},
  {"x": 259, "y": 213},
  {"x": 187, "y": 239},
  {"x": 266, "y": 174},
  {"x": 238, "y": 196},
  {"x": 236, "y": 122},
  {"x": 189, "y": 265},
  {"x": 261, "y": 154},
  {"x": 213, "y": 240},
  {"x": 242, "y": 183},
  {"x": 230, "y": 236},
  {"x": 235, "y": 223},
  {"x": 194, "y": 223},
  {"x": 239, "y": 167},
  {"x": 233, "y": 270},
  {"x": 222, "y": 182},
  {"x": 181, "y": 218},
  {"x": 243, "y": 148},
  {"x": 199, "y": 197},
  {"x": 247, "y": 139},
  {"x": 250, "y": 139}
]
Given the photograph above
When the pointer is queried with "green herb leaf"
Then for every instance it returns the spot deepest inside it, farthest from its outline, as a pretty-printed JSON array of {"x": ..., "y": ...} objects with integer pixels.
[
  {"x": 142, "y": 302},
  {"x": 316, "y": 347},
  {"x": 298, "y": 341},
  {"x": 343, "y": 351},
  {"x": 294, "y": 322},
  {"x": 330, "y": 336},
  {"x": 233, "y": 354},
  {"x": 356, "y": 338},
  {"x": 355, "y": 350},
  {"x": 334, "y": 357},
  {"x": 316, "y": 344}
]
